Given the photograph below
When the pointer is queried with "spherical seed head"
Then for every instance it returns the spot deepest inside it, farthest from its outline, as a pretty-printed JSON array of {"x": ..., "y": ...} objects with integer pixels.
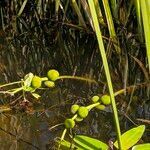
[
  {"x": 49, "y": 84},
  {"x": 83, "y": 112},
  {"x": 106, "y": 99},
  {"x": 74, "y": 108},
  {"x": 53, "y": 74},
  {"x": 36, "y": 82},
  {"x": 101, "y": 107},
  {"x": 69, "y": 123},
  {"x": 95, "y": 99}
]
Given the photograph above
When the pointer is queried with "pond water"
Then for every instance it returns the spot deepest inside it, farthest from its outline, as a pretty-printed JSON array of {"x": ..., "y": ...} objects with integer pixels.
[{"x": 32, "y": 129}]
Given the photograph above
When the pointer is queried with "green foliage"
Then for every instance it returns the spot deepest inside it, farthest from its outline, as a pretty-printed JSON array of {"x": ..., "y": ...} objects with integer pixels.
[
  {"x": 131, "y": 137},
  {"x": 105, "y": 64},
  {"x": 89, "y": 143},
  {"x": 145, "y": 146}
]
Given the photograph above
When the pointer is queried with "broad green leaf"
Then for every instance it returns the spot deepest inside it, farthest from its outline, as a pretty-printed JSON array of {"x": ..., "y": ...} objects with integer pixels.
[
  {"x": 89, "y": 143},
  {"x": 145, "y": 146},
  {"x": 65, "y": 145},
  {"x": 131, "y": 137},
  {"x": 37, "y": 96}
]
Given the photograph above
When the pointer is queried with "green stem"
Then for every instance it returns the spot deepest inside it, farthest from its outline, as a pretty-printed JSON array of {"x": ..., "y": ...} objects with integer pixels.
[
  {"x": 77, "y": 78},
  {"x": 14, "y": 91},
  {"x": 92, "y": 106},
  {"x": 74, "y": 117},
  {"x": 44, "y": 78},
  {"x": 62, "y": 137}
]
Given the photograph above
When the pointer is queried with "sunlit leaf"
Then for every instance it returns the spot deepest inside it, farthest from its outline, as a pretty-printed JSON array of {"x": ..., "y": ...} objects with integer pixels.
[
  {"x": 131, "y": 137},
  {"x": 65, "y": 145},
  {"x": 89, "y": 143},
  {"x": 145, "y": 146},
  {"x": 28, "y": 79}
]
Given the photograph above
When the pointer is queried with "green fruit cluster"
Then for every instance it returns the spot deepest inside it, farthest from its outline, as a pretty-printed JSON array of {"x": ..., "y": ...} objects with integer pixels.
[
  {"x": 53, "y": 74},
  {"x": 78, "y": 119},
  {"x": 106, "y": 99},
  {"x": 69, "y": 123},
  {"x": 36, "y": 82},
  {"x": 49, "y": 84},
  {"x": 83, "y": 112},
  {"x": 74, "y": 108},
  {"x": 95, "y": 99},
  {"x": 100, "y": 107}
]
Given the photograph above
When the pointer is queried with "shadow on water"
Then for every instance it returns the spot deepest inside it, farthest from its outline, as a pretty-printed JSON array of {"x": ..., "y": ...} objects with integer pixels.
[{"x": 36, "y": 53}]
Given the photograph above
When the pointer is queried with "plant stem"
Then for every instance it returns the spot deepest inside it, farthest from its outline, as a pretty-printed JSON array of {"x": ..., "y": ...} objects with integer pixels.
[
  {"x": 92, "y": 106},
  {"x": 106, "y": 68},
  {"x": 77, "y": 78},
  {"x": 74, "y": 117},
  {"x": 10, "y": 84}
]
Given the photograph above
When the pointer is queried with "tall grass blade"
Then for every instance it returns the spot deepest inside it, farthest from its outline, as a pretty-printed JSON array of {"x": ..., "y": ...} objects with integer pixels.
[
  {"x": 99, "y": 12},
  {"x": 114, "y": 8},
  {"x": 57, "y": 4},
  {"x": 77, "y": 10},
  {"x": 139, "y": 18},
  {"x": 106, "y": 68},
  {"x": 22, "y": 7},
  {"x": 87, "y": 12},
  {"x": 110, "y": 24},
  {"x": 146, "y": 24}
]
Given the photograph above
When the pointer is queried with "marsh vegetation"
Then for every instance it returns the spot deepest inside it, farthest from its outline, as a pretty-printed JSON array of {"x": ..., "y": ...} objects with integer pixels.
[{"x": 73, "y": 70}]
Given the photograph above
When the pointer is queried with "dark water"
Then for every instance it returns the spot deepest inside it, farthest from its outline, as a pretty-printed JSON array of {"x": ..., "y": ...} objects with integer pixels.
[{"x": 31, "y": 129}]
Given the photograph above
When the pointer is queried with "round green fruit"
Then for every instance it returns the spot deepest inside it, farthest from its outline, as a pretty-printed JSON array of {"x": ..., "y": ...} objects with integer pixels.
[
  {"x": 78, "y": 119},
  {"x": 36, "y": 82},
  {"x": 74, "y": 108},
  {"x": 83, "y": 112},
  {"x": 49, "y": 84},
  {"x": 95, "y": 99},
  {"x": 69, "y": 123},
  {"x": 53, "y": 74},
  {"x": 101, "y": 107},
  {"x": 106, "y": 99}
]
